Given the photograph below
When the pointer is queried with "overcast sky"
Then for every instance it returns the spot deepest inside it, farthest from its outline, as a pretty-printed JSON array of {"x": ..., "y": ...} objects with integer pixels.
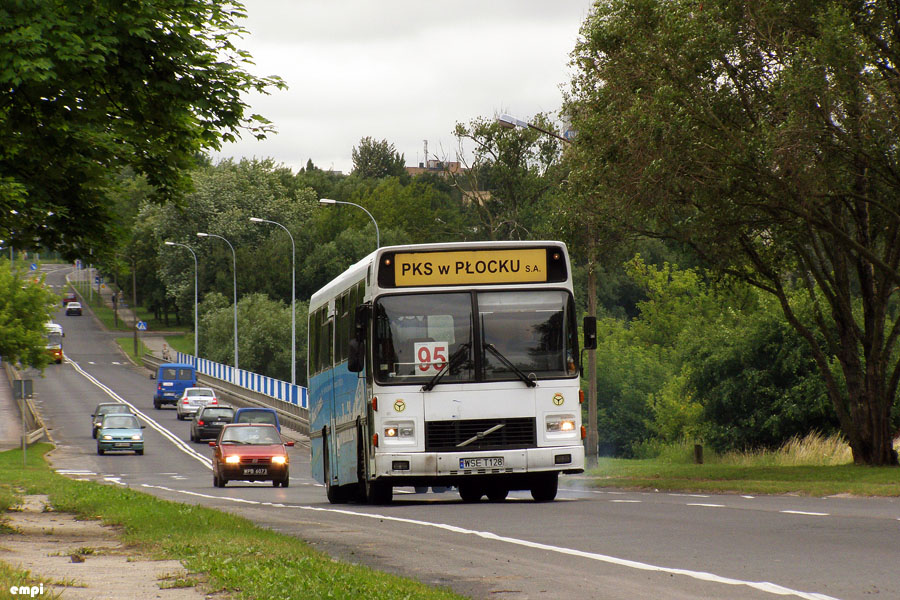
[{"x": 400, "y": 71}]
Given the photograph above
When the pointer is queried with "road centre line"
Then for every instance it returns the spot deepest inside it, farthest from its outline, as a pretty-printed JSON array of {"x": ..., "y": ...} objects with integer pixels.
[
  {"x": 179, "y": 443},
  {"x": 763, "y": 586},
  {"x": 803, "y": 512},
  {"x": 705, "y": 504}
]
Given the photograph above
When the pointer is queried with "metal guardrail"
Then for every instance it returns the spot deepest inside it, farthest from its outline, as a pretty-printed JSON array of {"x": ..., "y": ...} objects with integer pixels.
[
  {"x": 34, "y": 424},
  {"x": 290, "y": 415}
]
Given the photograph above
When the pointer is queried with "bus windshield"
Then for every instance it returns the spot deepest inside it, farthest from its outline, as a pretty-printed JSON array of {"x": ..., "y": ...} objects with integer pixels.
[{"x": 519, "y": 333}]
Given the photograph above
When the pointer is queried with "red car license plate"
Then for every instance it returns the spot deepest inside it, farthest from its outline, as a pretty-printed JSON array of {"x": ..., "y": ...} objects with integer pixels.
[{"x": 256, "y": 471}]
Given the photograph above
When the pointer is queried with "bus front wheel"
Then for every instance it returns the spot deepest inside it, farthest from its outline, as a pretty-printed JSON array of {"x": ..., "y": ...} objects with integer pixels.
[
  {"x": 470, "y": 492},
  {"x": 544, "y": 487},
  {"x": 378, "y": 492}
]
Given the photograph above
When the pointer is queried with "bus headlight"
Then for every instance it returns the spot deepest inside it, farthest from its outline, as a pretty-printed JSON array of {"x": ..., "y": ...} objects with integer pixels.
[
  {"x": 560, "y": 424},
  {"x": 399, "y": 431}
]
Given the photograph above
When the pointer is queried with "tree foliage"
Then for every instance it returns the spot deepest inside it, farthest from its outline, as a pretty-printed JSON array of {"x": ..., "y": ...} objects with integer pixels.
[
  {"x": 509, "y": 183},
  {"x": 373, "y": 159},
  {"x": 25, "y": 307},
  {"x": 765, "y": 137},
  {"x": 264, "y": 334},
  {"x": 705, "y": 360},
  {"x": 90, "y": 88}
]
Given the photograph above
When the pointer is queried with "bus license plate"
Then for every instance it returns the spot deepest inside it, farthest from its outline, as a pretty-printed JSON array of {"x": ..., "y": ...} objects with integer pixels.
[
  {"x": 481, "y": 463},
  {"x": 256, "y": 471}
]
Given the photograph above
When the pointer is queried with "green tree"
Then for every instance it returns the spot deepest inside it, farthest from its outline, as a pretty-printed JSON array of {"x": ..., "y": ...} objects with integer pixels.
[
  {"x": 377, "y": 159},
  {"x": 764, "y": 136},
  {"x": 756, "y": 381},
  {"x": 89, "y": 88},
  {"x": 507, "y": 187},
  {"x": 264, "y": 335},
  {"x": 24, "y": 309}
]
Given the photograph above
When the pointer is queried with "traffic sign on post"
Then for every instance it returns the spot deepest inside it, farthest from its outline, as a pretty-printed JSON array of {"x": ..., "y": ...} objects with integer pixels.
[
  {"x": 142, "y": 325},
  {"x": 33, "y": 267}
]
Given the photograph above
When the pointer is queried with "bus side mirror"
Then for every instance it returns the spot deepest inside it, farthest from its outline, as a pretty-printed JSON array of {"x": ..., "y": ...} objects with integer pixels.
[
  {"x": 590, "y": 333},
  {"x": 356, "y": 351},
  {"x": 360, "y": 320},
  {"x": 356, "y": 356}
]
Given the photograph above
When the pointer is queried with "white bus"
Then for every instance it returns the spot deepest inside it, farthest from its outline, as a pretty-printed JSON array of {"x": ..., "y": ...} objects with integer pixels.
[{"x": 447, "y": 365}]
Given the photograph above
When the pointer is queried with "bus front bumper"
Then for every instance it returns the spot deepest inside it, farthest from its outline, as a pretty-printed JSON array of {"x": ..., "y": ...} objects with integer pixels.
[{"x": 562, "y": 459}]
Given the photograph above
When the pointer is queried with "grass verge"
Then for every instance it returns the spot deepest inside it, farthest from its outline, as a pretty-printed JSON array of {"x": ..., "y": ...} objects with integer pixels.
[
  {"x": 107, "y": 315},
  {"x": 806, "y": 480},
  {"x": 127, "y": 346},
  {"x": 813, "y": 465},
  {"x": 236, "y": 556}
]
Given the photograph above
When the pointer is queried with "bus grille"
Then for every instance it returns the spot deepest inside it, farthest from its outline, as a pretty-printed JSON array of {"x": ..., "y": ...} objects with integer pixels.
[{"x": 442, "y": 436}]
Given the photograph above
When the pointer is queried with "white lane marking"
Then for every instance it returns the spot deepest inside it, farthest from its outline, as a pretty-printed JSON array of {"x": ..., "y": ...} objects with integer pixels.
[
  {"x": 75, "y": 472},
  {"x": 179, "y": 443},
  {"x": 705, "y": 504},
  {"x": 763, "y": 586},
  {"x": 626, "y": 501},
  {"x": 803, "y": 512},
  {"x": 688, "y": 495}
]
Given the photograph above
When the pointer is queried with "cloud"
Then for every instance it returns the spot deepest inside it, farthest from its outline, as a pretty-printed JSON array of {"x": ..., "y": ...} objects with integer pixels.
[{"x": 401, "y": 71}]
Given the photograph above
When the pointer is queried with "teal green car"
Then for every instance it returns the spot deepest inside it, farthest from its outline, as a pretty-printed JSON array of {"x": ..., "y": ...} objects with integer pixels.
[{"x": 120, "y": 432}]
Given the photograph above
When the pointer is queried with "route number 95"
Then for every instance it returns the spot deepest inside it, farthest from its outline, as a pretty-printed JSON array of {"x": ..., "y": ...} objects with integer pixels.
[{"x": 430, "y": 357}]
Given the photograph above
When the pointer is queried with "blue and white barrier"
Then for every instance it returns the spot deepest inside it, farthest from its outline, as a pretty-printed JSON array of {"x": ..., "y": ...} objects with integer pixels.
[{"x": 275, "y": 388}]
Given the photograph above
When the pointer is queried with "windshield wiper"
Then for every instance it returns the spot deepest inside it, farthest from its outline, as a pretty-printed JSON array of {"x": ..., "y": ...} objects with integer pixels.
[
  {"x": 493, "y": 350},
  {"x": 456, "y": 357}
]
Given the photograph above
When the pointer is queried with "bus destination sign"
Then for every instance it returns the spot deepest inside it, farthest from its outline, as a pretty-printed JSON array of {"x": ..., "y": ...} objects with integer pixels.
[{"x": 470, "y": 267}]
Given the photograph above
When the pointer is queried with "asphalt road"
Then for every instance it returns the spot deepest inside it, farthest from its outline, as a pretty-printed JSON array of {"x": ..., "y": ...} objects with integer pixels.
[{"x": 590, "y": 543}]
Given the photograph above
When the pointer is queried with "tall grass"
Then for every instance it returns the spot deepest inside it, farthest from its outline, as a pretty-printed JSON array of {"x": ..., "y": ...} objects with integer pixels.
[{"x": 813, "y": 449}]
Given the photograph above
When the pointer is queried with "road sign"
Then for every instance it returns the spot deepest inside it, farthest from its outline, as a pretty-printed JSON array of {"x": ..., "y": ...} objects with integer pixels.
[
  {"x": 97, "y": 280},
  {"x": 77, "y": 263},
  {"x": 142, "y": 325},
  {"x": 33, "y": 266}
]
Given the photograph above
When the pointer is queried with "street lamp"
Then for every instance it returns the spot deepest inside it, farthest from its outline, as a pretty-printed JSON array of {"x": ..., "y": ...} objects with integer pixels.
[
  {"x": 234, "y": 278},
  {"x": 511, "y": 122},
  {"x": 377, "y": 235},
  {"x": 191, "y": 250},
  {"x": 593, "y": 436},
  {"x": 293, "y": 298}
]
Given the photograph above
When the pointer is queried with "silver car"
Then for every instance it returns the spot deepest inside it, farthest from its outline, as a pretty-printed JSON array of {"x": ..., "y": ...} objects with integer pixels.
[{"x": 192, "y": 400}]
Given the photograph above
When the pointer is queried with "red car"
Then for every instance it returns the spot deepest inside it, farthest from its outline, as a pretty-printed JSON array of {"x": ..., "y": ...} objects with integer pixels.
[
  {"x": 69, "y": 297},
  {"x": 250, "y": 452}
]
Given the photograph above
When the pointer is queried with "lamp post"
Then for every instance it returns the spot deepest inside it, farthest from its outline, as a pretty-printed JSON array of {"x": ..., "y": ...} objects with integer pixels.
[
  {"x": 511, "y": 122},
  {"x": 234, "y": 279},
  {"x": 377, "y": 235},
  {"x": 593, "y": 437},
  {"x": 293, "y": 297},
  {"x": 194, "y": 254}
]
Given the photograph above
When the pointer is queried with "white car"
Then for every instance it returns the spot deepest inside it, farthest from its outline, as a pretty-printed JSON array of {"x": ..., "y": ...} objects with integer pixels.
[{"x": 192, "y": 400}]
